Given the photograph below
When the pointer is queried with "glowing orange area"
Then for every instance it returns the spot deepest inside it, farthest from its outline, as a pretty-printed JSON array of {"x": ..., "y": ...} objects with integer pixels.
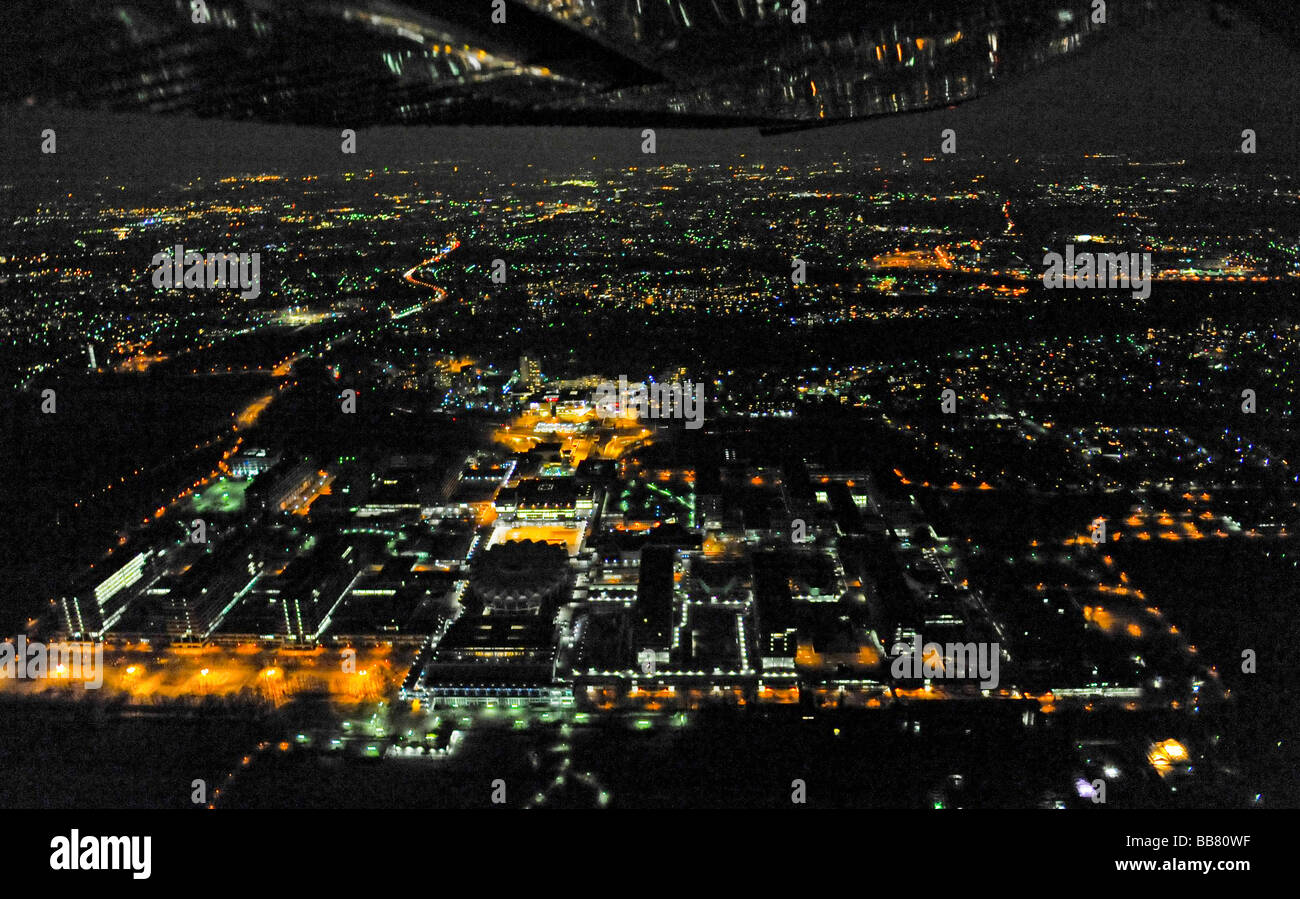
[
  {"x": 915, "y": 260},
  {"x": 250, "y": 413},
  {"x": 569, "y": 537},
  {"x": 1164, "y": 755},
  {"x": 272, "y": 675}
]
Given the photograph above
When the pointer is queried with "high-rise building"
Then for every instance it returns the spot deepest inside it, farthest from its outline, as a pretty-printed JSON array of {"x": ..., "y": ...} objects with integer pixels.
[{"x": 530, "y": 372}]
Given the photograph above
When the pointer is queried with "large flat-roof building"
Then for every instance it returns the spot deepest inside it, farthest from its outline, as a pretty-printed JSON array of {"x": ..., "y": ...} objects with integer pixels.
[
  {"x": 490, "y": 659},
  {"x": 547, "y": 499},
  {"x": 95, "y": 603}
]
